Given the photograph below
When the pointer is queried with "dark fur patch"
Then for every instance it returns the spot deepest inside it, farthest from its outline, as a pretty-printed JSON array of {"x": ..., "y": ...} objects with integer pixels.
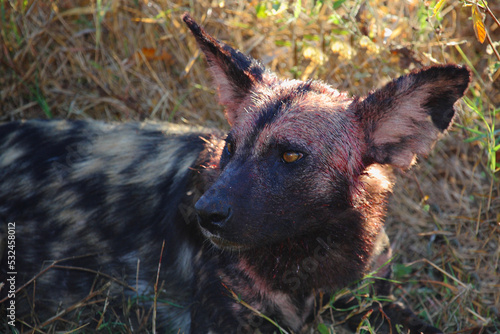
[
  {"x": 278, "y": 105},
  {"x": 440, "y": 106}
]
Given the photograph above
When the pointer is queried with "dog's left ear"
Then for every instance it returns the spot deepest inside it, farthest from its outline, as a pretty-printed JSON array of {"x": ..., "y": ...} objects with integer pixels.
[
  {"x": 235, "y": 73},
  {"x": 405, "y": 117}
]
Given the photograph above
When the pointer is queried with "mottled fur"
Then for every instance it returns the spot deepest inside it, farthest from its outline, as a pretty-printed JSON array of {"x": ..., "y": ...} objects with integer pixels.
[
  {"x": 237, "y": 220},
  {"x": 98, "y": 192}
]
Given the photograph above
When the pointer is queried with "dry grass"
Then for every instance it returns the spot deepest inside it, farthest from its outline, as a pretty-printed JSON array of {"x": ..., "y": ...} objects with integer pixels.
[{"x": 134, "y": 60}]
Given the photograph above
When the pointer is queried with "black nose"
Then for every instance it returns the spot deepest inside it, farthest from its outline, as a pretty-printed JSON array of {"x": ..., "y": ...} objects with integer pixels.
[{"x": 213, "y": 214}]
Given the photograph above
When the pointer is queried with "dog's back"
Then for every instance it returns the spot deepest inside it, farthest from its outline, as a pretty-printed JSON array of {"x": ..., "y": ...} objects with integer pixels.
[{"x": 110, "y": 183}]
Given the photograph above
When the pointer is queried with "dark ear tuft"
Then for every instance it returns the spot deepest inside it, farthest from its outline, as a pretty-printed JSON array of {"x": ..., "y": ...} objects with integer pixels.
[
  {"x": 235, "y": 73},
  {"x": 406, "y": 116},
  {"x": 440, "y": 104}
]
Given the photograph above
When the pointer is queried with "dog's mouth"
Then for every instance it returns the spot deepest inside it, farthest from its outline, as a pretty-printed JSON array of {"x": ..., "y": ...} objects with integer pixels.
[
  {"x": 223, "y": 243},
  {"x": 226, "y": 244}
]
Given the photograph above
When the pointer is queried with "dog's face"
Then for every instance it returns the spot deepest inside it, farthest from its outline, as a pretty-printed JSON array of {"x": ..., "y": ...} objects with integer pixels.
[
  {"x": 285, "y": 168},
  {"x": 295, "y": 157}
]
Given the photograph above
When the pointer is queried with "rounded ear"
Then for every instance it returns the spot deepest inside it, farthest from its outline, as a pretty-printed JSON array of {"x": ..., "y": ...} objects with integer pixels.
[
  {"x": 235, "y": 74},
  {"x": 406, "y": 116}
]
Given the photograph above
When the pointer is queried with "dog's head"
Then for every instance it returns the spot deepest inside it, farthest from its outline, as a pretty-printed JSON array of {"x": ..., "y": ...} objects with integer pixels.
[{"x": 298, "y": 153}]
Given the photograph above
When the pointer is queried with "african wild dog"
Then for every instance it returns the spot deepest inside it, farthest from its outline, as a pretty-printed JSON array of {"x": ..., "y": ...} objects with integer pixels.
[{"x": 289, "y": 203}]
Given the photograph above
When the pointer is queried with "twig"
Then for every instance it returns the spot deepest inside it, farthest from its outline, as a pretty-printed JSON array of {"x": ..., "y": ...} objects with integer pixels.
[
  {"x": 83, "y": 302},
  {"x": 441, "y": 271},
  {"x": 253, "y": 309},
  {"x": 156, "y": 288},
  {"x": 54, "y": 265},
  {"x": 97, "y": 273},
  {"x": 488, "y": 10},
  {"x": 491, "y": 44}
]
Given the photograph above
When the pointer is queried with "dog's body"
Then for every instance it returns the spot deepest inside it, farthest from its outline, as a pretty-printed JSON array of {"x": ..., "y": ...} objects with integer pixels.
[
  {"x": 291, "y": 202},
  {"x": 111, "y": 210}
]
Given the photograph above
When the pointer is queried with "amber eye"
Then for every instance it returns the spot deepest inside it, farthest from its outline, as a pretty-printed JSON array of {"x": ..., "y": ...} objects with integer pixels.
[
  {"x": 291, "y": 156},
  {"x": 230, "y": 147}
]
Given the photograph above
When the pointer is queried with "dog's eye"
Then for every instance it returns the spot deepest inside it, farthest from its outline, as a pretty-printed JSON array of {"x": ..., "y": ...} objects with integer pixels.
[
  {"x": 230, "y": 148},
  {"x": 291, "y": 156}
]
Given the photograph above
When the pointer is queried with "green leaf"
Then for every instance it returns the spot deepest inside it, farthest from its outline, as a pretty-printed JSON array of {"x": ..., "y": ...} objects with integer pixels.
[
  {"x": 310, "y": 37},
  {"x": 323, "y": 329},
  {"x": 282, "y": 43},
  {"x": 401, "y": 270},
  {"x": 473, "y": 139},
  {"x": 477, "y": 132},
  {"x": 438, "y": 6},
  {"x": 339, "y": 32},
  {"x": 298, "y": 9},
  {"x": 260, "y": 10},
  {"x": 338, "y": 3}
]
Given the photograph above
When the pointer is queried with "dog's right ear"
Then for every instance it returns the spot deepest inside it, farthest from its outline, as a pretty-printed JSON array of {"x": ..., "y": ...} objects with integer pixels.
[{"x": 235, "y": 73}]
